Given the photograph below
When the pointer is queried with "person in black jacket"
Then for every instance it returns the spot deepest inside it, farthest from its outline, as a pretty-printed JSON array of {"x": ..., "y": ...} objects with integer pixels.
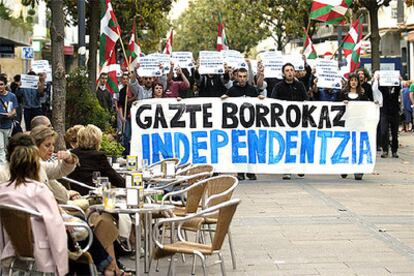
[
  {"x": 389, "y": 118},
  {"x": 289, "y": 89},
  {"x": 363, "y": 78},
  {"x": 239, "y": 89},
  {"x": 91, "y": 159}
]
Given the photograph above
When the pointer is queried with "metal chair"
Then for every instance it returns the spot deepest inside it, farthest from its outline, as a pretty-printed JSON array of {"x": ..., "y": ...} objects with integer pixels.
[
  {"x": 224, "y": 212},
  {"x": 72, "y": 181},
  {"x": 17, "y": 223}
]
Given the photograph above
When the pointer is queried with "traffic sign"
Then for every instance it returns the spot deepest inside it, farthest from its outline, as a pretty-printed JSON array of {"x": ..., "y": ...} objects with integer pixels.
[{"x": 27, "y": 53}]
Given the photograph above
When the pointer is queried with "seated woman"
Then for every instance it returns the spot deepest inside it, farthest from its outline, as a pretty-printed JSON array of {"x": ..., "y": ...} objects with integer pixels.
[
  {"x": 91, "y": 159},
  {"x": 71, "y": 136},
  {"x": 63, "y": 164},
  {"x": 56, "y": 165},
  {"x": 24, "y": 189},
  {"x": 104, "y": 229}
]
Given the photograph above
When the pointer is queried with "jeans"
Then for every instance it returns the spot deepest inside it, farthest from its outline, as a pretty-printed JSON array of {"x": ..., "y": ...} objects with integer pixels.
[
  {"x": 29, "y": 114},
  {"x": 126, "y": 137},
  {"x": 4, "y": 141}
]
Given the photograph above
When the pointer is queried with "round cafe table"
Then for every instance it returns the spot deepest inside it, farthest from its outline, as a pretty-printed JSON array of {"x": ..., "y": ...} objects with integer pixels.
[{"x": 147, "y": 210}]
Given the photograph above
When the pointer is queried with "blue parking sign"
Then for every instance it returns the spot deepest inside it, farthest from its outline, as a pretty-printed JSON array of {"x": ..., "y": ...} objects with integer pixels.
[{"x": 27, "y": 53}]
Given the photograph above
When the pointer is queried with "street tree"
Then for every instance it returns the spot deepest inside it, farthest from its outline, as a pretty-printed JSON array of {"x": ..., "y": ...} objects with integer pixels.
[
  {"x": 57, "y": 32},
  {"x": 372, "y": 7}
]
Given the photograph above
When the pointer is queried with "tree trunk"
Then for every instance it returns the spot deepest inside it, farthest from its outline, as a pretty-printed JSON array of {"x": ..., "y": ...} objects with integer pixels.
[
  {"x": 58, "y": 68},
  {"x": 375, "y": 38},
  {"x": 94, "y": 8}
]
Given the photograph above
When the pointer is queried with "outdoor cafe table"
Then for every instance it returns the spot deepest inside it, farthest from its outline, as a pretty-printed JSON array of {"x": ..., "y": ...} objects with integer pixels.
[{"x": 147, "y": 210}]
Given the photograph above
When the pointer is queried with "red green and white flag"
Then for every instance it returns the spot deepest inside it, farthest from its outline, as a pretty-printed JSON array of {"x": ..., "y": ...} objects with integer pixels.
[
  {"x": 168, "y": 46},
  {"x": 111, "y": 68},
  {"x": 222, "y": 43},
  {"x": 134, "y": 49},
  {"x": 110, "y": 32},
  {"x": 352, "y": 46},
  {"x": 329, "y": 11},
  {"x": 308, "y": 48}
]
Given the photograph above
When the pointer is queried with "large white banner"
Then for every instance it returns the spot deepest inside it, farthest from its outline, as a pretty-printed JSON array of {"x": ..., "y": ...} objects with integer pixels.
[{"x": 258, "y": 136}]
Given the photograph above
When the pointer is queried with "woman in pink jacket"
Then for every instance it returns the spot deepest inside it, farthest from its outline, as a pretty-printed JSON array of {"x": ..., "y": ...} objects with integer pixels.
[{"x": 25, "y": 190}]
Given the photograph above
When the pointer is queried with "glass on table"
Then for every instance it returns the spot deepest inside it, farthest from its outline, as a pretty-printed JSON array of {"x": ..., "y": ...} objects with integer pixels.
[
  {"x": 110, "y": 159},
  {"x": 146, "y": 173},
  {"x": 109, "y": 199},
  {"x": 95, "y": 176},
  {"x": 101, "y": 181}
]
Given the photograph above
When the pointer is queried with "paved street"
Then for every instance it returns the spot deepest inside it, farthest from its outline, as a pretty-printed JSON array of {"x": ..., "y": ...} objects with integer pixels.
[{"x": 324, "y": 225}]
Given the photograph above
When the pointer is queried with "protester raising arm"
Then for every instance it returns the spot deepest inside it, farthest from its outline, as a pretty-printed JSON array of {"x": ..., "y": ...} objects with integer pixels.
[{"x": 376, "y": 93}]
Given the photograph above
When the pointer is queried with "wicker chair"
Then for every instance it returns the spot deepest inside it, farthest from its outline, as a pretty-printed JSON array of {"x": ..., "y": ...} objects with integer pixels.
[
  {"x": 220, "y": 189},
  {"x": 224, "y": 213},
  {"x": 191, "y": 195},
  {"x": 190, "y": 170},
  {"x": 17, "y": 223},
  {"x": 181, "y": 167}
]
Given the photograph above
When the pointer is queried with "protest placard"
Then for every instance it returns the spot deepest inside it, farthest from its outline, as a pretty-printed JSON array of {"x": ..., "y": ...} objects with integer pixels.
[
  {"x": 164, "y": 60},
  {"x": 182, "y": 59},
  {"x": 234, "y": 59},
  {"x": 328, "y": 74},
  {"x": 211, "y": 62},
  {"x": 296, "y": 60},
  {"x": 257, "y": 136},
  {"x": 273, "y": 63},
  {"x": 149, "y": 67},
  {"x": 389, "y": 78},
  {"x": 29, "y": 81},
  {"x": 42, "y": 66}
]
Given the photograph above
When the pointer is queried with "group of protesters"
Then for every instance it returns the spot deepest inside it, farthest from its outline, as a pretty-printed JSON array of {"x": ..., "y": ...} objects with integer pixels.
[
  {"x": 30, "y": 157},
  {"x": 239, "y": 82}
]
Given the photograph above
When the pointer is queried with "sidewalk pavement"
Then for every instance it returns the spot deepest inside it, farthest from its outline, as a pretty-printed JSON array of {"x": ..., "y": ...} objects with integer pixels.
[{"x": 323, "y": 225}]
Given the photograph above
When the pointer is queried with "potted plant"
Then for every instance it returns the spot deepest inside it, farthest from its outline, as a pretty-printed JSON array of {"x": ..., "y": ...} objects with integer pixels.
[{"x": 111, "y": 147}]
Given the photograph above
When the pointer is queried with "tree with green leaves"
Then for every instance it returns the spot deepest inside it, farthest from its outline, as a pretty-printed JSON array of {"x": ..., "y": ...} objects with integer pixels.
[
  {"x": 152, "y": 24},
  {"x": 284, "y": 18},
  {"x": 196, "y": 29}
]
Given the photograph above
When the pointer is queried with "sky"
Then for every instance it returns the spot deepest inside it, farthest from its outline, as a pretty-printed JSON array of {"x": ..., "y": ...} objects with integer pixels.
[{"x": 177, "y": 8}]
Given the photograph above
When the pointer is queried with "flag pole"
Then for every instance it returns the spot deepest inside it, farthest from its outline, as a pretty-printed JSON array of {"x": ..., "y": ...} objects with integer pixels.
[
  {"x": 364, "y": 38},
  {"x": 126, "y": 92}
]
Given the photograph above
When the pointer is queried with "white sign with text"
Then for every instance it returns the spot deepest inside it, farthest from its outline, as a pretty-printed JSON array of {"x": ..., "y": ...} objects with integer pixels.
[
  {"x": 29, "y": 81},
  {"x": 389, "y": 78},
  {"x": 211, "y": 62},
  {"x": 328, "y": 74}
]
